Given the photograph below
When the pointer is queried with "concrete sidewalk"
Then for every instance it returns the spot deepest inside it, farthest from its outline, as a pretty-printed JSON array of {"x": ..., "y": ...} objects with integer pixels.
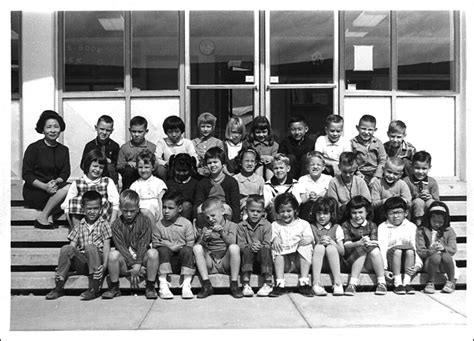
[{"x": 222, "y": 311}]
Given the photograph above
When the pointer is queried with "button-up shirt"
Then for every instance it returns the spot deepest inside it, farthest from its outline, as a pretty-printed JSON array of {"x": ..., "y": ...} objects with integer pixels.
[
  {"x": 247, "y": 235},
  {"x": 129, "y": 151},
  {"x": 373, "y": 156},
  {"x": 181, "y": 232},
  {"x": 165, "y": 148},
  {"x": 332, "y": 150},
  {"x": 84, "y": 234}
]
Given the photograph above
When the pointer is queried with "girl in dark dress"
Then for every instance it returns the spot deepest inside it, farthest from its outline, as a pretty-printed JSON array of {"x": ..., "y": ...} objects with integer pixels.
[{"x": 45, "y": 169}]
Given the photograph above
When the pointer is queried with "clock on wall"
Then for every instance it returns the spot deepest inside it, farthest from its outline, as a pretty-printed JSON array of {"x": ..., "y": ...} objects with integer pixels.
[{"x": 207, "y": 47}]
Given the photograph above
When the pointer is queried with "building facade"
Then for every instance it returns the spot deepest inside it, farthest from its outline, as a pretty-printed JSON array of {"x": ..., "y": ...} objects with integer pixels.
[{"x": 406, "y": 65}]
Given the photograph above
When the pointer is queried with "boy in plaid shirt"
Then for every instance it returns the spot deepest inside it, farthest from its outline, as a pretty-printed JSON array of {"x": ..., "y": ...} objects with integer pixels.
[{"x": 88, "y": 249}]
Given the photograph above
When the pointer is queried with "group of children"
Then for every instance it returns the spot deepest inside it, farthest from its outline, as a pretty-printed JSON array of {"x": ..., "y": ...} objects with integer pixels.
[{"x": 249, "y": 203}]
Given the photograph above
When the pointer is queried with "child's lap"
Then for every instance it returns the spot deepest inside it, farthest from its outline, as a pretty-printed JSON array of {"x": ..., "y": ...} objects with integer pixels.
[
  {"x": 123, "y": 267},
  {"x": 391, "y": 252},
  {"x": 217, "y": 265}
]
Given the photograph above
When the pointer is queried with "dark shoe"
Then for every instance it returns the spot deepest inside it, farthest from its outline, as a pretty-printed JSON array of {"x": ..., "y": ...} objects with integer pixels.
[
  {"x": 277, "y": 291},
  {"x": 306, "y": 290},
  {"x": 399, "y": 290},
  {"x": 409, "y": 289},
  {"x": 111, "y": 293},
  {"x": 236, "y": 292},
  {"x": 350, "y": 290},
  {"x": 54, "y": 294},
  {"x": 205, "y": 291},
  {"x": 38, "y": 225},
  {"x": 90, "y": 294},
  {"x": 150, "y": 292}
]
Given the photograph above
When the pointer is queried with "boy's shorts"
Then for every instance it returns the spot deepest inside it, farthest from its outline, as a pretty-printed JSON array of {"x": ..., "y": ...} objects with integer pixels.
[{"x": 216, "y": 265}]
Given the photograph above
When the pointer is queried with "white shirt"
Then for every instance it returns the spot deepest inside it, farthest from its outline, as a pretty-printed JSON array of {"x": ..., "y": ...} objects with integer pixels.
[
  {"x": 291, "y": 234},
  {"x": 390, "y": 236},
  {"x": 331, "y": 151},
  {"x": 307, "y": 185},
  {"x": 165, "y": 148},
  {"x": 112, "y": 194},
  {"x": 233, "y": 149},
  {"x": 149, "y": 191}
]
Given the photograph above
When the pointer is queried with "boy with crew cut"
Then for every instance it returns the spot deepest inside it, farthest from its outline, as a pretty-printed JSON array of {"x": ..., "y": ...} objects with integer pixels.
[
  {"x": 297, "y": 145},
  {"x": 389, "y": 186},
  {"x": 173, "y": 143},
  {"x": 254, "y": 236},
  {"x": 132, "y": 256},
  {"x": 173, "y": 237},
  {"x": 397, "y": 243},
  {"x": 126, "y": 164},
  {"x": 88, "y": 249},
  {"x": 108, "y": 147},
  {"x": 397, "y": 146},
  {"x": 217, "y": 250},
  {"x": 333, "y": 144},
  {"x": 369, "y": 149}
]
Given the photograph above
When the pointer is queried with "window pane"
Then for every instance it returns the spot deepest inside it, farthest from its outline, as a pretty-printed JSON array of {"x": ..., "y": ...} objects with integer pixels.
[
  {"x": 15, "y": 52},
  {"x": 313, "y": 104},
  {"x": 155, "y": 50},
  {"x": 425, "y": 50},
  {"x": 301, "y": 47},
  {"x": 367, "y": 50},
  {"x": 93, "y": 51},
  {"x": 221, "y": 47},
  {"x": 222, "y": 104}
]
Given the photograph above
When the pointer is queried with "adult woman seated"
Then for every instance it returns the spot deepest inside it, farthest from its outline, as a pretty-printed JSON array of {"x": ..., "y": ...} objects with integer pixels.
[{"x": 45, "y": 170}]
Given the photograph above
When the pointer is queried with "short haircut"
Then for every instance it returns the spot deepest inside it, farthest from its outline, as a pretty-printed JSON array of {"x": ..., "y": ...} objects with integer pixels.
[
  {"x": 207, "y": 118},
  {"x": 334, "y": 119},
  {"x": 215, "y": 153},
  {"x": 368, "y": 118},
  {"x": 242, "y": 152},
  {"x": 422, "y": 156},
  {"x": 92, "y": 156},
  {"x": 314, "y": 154},
  {"x": 347, "y": 159},
  {"x": 357, "y": 202},
  {"x": 437, "y": 207},
  {"x": 147, "y": 156},
  {"x": 280, "y": 157},
  {"x": 90, "y": 196},
  {"x": 393, "y": 203},
  {"x": 139, "y": 121},
  {"x": 235, "y": 122},
  {"x": 47, "y": 115},
  {"x": 396, "y": 161},
  {"x": 105, "y": 119},
  {"x": 211, "y": 202},
  {"x": 129, "y": 196},
  {"x": 257, "y": 199},
  {"x": 297, "y": 118},
  {"x": 261, "y": 123},
  {"x": 175, "y": 196},
  {"x": 397, "y": 127},
  {"x": 326, "y": 205},
  {"x": 284, "y": 199},
  {"x": 173, "y": 122}
]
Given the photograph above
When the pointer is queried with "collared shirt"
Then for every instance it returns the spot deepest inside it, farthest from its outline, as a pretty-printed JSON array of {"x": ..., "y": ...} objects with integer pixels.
[
  {"x": 202, "y": 144},
  {"x": 133, "y": 239},
  {"x": 371, "y": 157},
  {"x": 405, "y": 151},
  {"x": 272, "y": 188},
  {"x": 84, "y": 234},
  {"x": 355, "y": 233},
  {"x": 332, "y": 230},
  {"x": 390, "y": 236},
  {"x": 332, "y": 150},
  {"x": 149, "y": 188},
  {"x": 291, "y": 234},
  {"x": 165, "y": 148},
  {"x": 429, "y": 184},
  {"x": 264, "y": 147},
  {"x": 110, "y": 149},
  {"x": 247, "y": 235},
  {"x": 128, "y": 152},
  {"x": 232, "y": 149},
  {"x": 307, "y": 185},
  {"x": 187, "y": 188},
  {"x": 289, "y": 146},
  {"x": 380, "y": 190},
  {"x": 343, "y": 192},
  {"x": 218, "y": 242},
  {"x": 248, "y": 185},
  {"x": 181, "y": 232}
]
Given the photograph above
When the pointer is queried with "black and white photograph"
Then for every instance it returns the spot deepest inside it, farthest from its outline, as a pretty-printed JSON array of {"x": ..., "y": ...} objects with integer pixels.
[{"x": 237, "y": 170}]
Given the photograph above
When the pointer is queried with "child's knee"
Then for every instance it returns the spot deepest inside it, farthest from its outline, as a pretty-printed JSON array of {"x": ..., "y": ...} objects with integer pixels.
[
  {"x": 114, "y": 256},
  {"x": 198, "y": 250},
  {"x": 234, "y": 249},
  {"x": 152, "y": 254}
]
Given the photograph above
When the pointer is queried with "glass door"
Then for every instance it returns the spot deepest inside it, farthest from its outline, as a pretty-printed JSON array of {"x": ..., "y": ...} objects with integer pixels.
[{"x": 301, "y": 68}]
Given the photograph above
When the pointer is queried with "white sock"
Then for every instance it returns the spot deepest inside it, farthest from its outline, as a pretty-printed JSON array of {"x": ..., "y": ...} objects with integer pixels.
[
  {"x": 162, "y": 279},
  {"x": 381, "y": 280},
  {"x": 280, "y": 283},
  {"x": 303, "y": 281},
  {"x": 354, "y": 281},
  {"x": 406, "y": 279},
  {"x": 397, "y": 280},
  {"x": 187, "y": 279}
]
